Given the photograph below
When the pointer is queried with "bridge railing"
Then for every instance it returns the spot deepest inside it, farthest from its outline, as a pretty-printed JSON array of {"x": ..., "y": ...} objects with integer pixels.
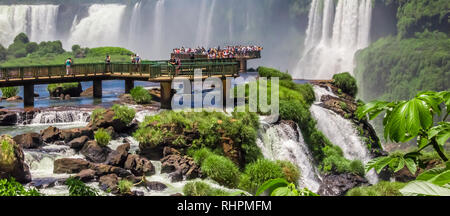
[{"x": 150, "y": 70}]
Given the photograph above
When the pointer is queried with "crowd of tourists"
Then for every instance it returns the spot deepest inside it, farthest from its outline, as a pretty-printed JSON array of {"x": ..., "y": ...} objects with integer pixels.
[{"x": 218, "y": 52}]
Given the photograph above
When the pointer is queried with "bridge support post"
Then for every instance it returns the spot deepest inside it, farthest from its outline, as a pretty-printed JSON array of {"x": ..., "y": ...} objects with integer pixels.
[
  {"x": 166, "y": 95},
  {"x": 242, "y": 66},
  {"x": 97, "y": 88},
  {"x": 28, "y": 95},
  {"x": 129, "y": 84}
]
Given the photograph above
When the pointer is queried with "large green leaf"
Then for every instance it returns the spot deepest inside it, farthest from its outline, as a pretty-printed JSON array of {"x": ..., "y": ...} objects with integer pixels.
[
  {"x": 271, "y": 185},
  {"x": 441, "y": 179},
  {"x": 441, "y": 132},
  {"x": 411, "y": 165},
  {"x": 423, "y": 188},
  {"x": 283, "y": 191},
  {"x": 430, "y": 174},
  {"x": 445, "y": 95},
  {"x": 401, "y": 164},
  {"x": 432, "y": 99},
  {"x": 382, "y": 163},
  {"x": 373, "y": 109}
]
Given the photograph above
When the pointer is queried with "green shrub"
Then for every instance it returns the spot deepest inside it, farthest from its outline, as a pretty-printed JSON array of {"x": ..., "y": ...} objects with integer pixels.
[
  {"x": 335, "y": 162},
  {"x": 10, "y": 187},
  {"x": 140, "y": 95},
  {"x": 290, "y": 171},
  {"x": 7, "y": 156},
  {"x": 201, "y": 154},
  {"x": 97, "y": 114},
  {"x": 380, "y": 189},
  {"x": 222, "y": 170},
  {"x": 78, "y": 188},
  {"x": 346, "y": 82},
  {"x": 103, "y": 51},
  {"x": 8, "y": 92},
  {"x": 257, "y": 173},
  {"x": 125, "y": 186},
  {"x": 65, "y": 86},
  {"x": 270, "y": 72},
  {"x": 102, "y": 137},
  {"x": 199, "y": 188},
  {"x": 294, "y": 110},
  {"x": 123, "y": 113}
]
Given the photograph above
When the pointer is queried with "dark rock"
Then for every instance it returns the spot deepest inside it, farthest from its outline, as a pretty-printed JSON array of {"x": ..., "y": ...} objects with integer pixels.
[
  {"x": 70, "y": 134},
  {"x": 181, "y": 164},
  {"x": 176, "y": 194},
  {"x": 137, "y": 193},
  {"x": 51, "y": 134},
  {"x": 139, "y": 165},
  {"x": 119, "y": 156},
  {"x": 14, "y": 165},
  {"x": 8, "y": 118},
  {"x": 338, "y": 185},
  {"x": 94, "y": 152},
  {"x": 78, "y": 143},
  {"x": 176, "y": 176},
  {"x": 28, "y": 140},
  {"x": 107, "y": 121},
  {"x": 86, "y": 175},
  {"x": 112, "y": 132},
  {"x": 109, "y": 182},
  {"x": 103, "y": 169},
  {"x": 155, "y": 186},
  {"x": 70, "y": 165},
  {"x": 41, "y": 183},
  {"x": 170, "y": 151}
]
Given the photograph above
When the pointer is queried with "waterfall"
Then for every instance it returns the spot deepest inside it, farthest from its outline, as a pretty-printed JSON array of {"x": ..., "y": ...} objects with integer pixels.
[
  {"x": 334, "y": 34},
  {"x": 37, "y": 21},
  {"x": 158, "y": 30},
  {"x": 134, "y": 25},
  {"x": 100, "y": 28},
  {"x": 52, "y": 117},
  {"x": 342, "y": 133},
  {"x": 205, "y": 25},
  {"x": 282, "y": 142}
]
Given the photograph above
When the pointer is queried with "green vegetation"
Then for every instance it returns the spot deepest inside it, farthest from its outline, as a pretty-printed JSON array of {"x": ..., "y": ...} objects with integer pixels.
[
  {"x": 97, "y": 114},
  {"x": 257, "y": 173},
  {"x": 433, "y": 182},
  {"x": 65, "y": 86},
  {"x": 102, "y": 137},
  {"x": 79, "y": 188},
  {"x": 290, "y": 171},
  {"x": 123, "y": 113},
  {"x": 103, "y": 51},
  {"x": 222, "y": 170},
  {"x": 335, "y": 162},
  {"x": 199, "y": 188},
  {"x": 125, "y": 186},
  {"x": 281, "y": 187},
  {"x": 7, "y": 156},
  {"x": 405, "y": 120},
  {"x": 270, "y": 72},
  {"x": 346, "y": 83},
  {"x": 380, "y": 189},
  {"x": 8, "y": 92},
  {"x": 10, "y": 187},
  {"x": 140, "y": 95}
]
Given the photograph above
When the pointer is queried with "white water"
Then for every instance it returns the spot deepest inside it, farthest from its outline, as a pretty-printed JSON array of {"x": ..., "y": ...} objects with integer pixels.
[
  {"x": 52, "y": 117},
  {"x": 334, "y": 35},
  {"x": 100, "y": 28},
  {"x": 37, "y": 21},
  {"x": 282, "y": 142},
  {"x": 341, "y": 132},
  {"x": 158, "y": 31}
]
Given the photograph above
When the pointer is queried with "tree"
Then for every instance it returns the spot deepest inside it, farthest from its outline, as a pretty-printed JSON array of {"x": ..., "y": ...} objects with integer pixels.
[
  {"x": 3, "y": 53},
  {"x": 31, "y": 47},
  {"x": 405, "y": 120},
  {"x": 21, "y": 38}
]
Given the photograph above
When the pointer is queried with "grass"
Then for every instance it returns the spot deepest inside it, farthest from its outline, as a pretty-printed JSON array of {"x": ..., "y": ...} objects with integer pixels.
[
  {"x": 380, "y": 189},
  {"x": 258, "y": 172},
  {"x": 140, "y": 95},
  {"x": 199, "y": 188},
  {"x": 59, "y": 59},
  {"x": 10, "y": 187},
  {"x": 79, "y": 188},
  {"x": 222, "y": 170},
  {"x": 8, "y": 92}
]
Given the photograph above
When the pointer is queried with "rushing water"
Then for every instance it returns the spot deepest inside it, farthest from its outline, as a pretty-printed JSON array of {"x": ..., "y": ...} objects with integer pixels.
[
  {"x": 341, "y": 132},
  {"x": 334, "y": 34}
]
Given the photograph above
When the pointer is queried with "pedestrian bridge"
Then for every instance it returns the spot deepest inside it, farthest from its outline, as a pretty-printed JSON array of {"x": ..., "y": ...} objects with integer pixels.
[{"x": 152, "y": 71}]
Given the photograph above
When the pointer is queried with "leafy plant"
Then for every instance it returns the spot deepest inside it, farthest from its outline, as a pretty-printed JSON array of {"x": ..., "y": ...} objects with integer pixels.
[
  {"x": 290, "y": 171},
  {"x": 79, "y": 188},
  {"x": 123, "y": 113},
  {"x": 125, "y": 186},
  {"x": 433, "y": 182},
  {"x": 346, "y": 83},
  {"x": 10, "y": 187},
  {"x": 405, "y": 120},
  {"x": 199, "y": 188},
  {"x": 8, "y": 92},
  {"x": 97, "y": 114},
  {"x": 258, "y": 172},
  {"x": 281, "y": 187},
  {"x": 7, "y": 156},
  {"x": 140, "y": 95},
  {"x": 222, "y": 170},
  {"x": 102, "y": 137},
  {"x": 382, "y": 188}
]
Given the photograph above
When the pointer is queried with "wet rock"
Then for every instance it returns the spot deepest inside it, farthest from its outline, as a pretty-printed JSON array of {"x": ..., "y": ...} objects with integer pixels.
[
  {"x": 78, "y": 143},
  {"x": 51, "y": 134},
  {"x": 119, "y": 156},
  {"x": 29, "y": 140},
  {"x": 109, "y": 182},
  {"x": 103, "y": 169},
  {"x": 86, "y": 175},
  {"x": 70, "y": 134},
  {"x": 184, "y": 165},
  {"x": 139, "y": 165},
  {"x": 339, "y": 184},
  {"x": 155, "y": 186},
  {"x": 70, "y": 165},
  {"x": 94, "y": 152},
  {"x": 107, "y": 121},
  {"x": 170, "y": 151},
  {"x": 8, "y": 118},
  {"x": 137, "y": 193},
  {"x": 13, "y": 164},
  {"x": 176, "y": 176}
]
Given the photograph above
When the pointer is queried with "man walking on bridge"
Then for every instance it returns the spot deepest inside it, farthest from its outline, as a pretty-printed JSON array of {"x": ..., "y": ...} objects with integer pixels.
[{"x": 68, "y": 64}]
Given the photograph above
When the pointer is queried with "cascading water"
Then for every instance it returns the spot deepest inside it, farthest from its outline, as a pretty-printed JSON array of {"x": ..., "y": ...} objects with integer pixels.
[
  {"x": 334, "y": 35},
  {"x": 282, "y": 142},
  {"x": 52, "y": 117},
  {"x": 38, "y": 21},
  {"x": 342, "y": 133},
  {"x": 100, "y": 28},
  {"x": 158, "y": 30}
]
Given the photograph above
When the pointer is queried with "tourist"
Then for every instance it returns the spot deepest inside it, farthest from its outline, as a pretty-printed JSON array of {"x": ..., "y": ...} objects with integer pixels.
[{"x": 68, "y": 64}]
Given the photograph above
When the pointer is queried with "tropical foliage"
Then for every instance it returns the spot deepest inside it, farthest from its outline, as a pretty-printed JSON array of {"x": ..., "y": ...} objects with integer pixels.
[
  {"x": 281, "y": 187},
  {"x": 10, "y": 187},
  {"x": 433, "y": 182},
  {"x": 8, "y": 92},
  {"x": 140, "y": 95},
  {"x": 79, "y": 188},
  {"x": 123, "y": 113},
  {"x": 102, "y": 137}
]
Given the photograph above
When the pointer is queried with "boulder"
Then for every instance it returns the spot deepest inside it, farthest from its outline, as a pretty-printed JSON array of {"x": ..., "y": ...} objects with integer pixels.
[
  {"x": 119, "y": 156},
  {"x": 103, "y": 169},
  {"x": 29, "y": 140},
  {"x": 184, "y": 165},
  {"x": 86, "y": 175},
  {"x": 170, "y": 151},
  {"x": 12, "y": 162},
  {"x": 107, "y": 121},
  {"x": 78, "y": 143},
  {"x": 339, "y": 184},
  {"x": 70, "y": 165},
  {"x": 94, "y": 152},
  {"x": 109, "y": 182},
  {"x": 8, "y": 118},
  {"x": 139, "y": 165},
  {"x": 70, "y": 134},
  {"x": 154, "y": 185},
  {"x": 51, "y": 134}
]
